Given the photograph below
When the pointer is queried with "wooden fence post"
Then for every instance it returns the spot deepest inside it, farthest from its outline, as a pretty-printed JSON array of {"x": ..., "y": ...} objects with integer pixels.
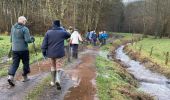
[
  {"x": 151, "y": 51},
  {"x": 167, "y": 58}
]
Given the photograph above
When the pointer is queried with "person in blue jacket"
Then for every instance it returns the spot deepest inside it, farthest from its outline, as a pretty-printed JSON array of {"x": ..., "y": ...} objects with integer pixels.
[
  {"x": 53, "y": 48},
  {"x": 105, "y": 36},
  {"x": 100, "y": 37},
  {"x": 20, "y": 37}
]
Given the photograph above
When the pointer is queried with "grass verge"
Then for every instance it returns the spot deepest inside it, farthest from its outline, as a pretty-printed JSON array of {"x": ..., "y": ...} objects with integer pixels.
[
  {"x": 115, "y": 83},
  {"x": 35, "y": 93}
]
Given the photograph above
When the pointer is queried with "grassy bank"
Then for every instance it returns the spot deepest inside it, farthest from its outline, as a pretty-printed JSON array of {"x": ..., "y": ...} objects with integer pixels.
[
  {"x": 113, "y": 81},
  {"x": 157, "y": 58}
]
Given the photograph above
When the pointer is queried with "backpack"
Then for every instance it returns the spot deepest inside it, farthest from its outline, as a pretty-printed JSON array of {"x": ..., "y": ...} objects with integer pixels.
[{"x": 94, "y": 36}]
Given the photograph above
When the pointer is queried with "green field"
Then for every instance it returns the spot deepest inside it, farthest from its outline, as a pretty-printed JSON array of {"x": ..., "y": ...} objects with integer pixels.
[
  {"x": 160, "y": 48},
  {"x": 5, "y": 45}
]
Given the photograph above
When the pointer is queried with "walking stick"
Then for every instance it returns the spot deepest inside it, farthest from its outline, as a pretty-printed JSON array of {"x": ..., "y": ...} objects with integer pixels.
[
  {"x": 10, "y": 52},
  {"x": 68, "y": 48},
  {"x": 36, "y": 53}
]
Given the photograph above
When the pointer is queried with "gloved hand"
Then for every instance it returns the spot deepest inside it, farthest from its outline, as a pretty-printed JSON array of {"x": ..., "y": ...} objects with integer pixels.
[
  {"x": 44, "y": 54},
  {"x": 32, "y": 38}
]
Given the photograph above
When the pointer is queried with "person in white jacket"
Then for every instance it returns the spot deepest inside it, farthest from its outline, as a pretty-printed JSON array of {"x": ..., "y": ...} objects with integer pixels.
[{"x": 74, "y": 41}]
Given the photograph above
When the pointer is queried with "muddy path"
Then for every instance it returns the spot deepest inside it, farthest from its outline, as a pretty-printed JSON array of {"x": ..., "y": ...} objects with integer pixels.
[
  {"x": 78, "y": 80},
  {"x": 21, "y": 89},
  {"x": 79, "y": 83}
]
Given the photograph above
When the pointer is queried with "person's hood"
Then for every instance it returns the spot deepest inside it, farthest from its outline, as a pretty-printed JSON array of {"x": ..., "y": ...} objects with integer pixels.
[{"x": 18, "y": 25}]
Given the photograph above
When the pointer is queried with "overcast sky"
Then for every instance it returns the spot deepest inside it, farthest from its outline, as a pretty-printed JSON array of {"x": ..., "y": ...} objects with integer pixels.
[{"x": 126, "y": 1}]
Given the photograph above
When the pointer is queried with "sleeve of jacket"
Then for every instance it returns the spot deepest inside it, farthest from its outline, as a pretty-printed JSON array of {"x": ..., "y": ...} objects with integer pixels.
[
  {"x": 67, "y": 35},
  {"x": 27, "y": 35},
  {"x": 80, "y": 39},
  {"x": 44, "y": 46}
]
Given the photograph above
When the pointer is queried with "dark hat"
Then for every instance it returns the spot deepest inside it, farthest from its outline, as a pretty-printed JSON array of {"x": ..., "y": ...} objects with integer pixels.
[{"x": 56, "y": 23}]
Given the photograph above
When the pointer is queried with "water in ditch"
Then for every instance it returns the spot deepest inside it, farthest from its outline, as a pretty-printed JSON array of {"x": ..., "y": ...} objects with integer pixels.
[{"x": 150, "y": 82}]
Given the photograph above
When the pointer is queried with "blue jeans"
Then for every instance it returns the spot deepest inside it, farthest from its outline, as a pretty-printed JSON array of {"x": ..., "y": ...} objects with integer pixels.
[{"x": 16, "y": 57}]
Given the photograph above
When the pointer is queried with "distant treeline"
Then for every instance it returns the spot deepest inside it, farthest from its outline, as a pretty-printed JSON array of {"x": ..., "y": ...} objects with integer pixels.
[
  {"x": 82, "y": 14},
  {"x": 145, "y": 16}
]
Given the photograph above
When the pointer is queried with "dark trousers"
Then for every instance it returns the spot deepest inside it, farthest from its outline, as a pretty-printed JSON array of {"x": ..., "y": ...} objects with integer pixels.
[
  {"x": 103, "y": 41},
  {"x": 75, "y": 50},
  {"x": 17, "y": 56},
  {"x": 67, "y": 50},
  {"x": 94, "y": 42}
]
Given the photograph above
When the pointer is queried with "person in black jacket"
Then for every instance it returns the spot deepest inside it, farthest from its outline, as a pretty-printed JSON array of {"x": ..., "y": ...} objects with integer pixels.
[{"x": 53, "y": 47}]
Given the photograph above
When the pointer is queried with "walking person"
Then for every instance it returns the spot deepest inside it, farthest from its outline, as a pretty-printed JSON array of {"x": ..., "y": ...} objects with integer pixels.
[
  {"x": 53, "y": 48},
  {"x": 94, "y": 38},
  {"x": 67, "y": 44},
  {"x": 105, "y": 37},
  {"x": 20, "y": 37},
  {"x": 100, "y": 37},
  {"x": 74, "y": 41},
  {"x": 87, "y": 36},
  {"x": 90, "y": 37}
]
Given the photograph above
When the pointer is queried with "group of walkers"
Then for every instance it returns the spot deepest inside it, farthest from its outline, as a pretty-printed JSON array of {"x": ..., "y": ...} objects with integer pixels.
[
  {"x": 52, "y": 48},
  {"x": 92, "y": 37}
]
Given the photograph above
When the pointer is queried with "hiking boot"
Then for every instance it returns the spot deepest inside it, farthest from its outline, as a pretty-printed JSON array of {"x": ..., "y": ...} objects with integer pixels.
[
  {"x": 25, "y": 78},
  {"x": 11, "y": 80},
  {"x": 58, "y": 86},
  {"x": 168, "y": 82},
  {"x": 53, "y": 75},
  {"x": 58, "y": 76}
]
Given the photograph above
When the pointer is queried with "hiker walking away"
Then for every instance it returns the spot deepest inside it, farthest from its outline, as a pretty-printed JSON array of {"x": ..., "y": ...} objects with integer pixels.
[
  {"x": 74, "y": 41},
  {"x": 87, "y": 36},
  {"x": 53, "y": 48},
  {"x": 105, "y": 36},
  {"x": 100, "y": 38},
  {"x": 20, "y": 37},
  {"x": 90, "y": 36},
  {"x": 94, "y": 38},
  {"x": 67, "y": 44}
]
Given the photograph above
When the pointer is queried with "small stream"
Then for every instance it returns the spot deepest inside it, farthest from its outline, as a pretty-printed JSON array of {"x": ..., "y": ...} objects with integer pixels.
[{"x": 153, "y": 83}]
